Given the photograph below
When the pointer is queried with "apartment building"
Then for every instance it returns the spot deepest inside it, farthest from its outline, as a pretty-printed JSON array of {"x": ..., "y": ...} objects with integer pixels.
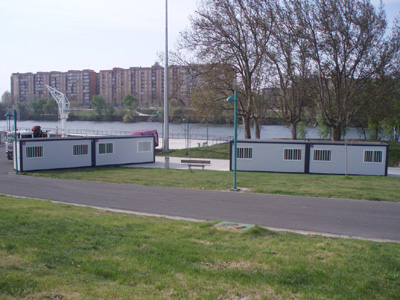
[
  {"x": 145, "y": 83},
  {"x": 79, "y": 86}
]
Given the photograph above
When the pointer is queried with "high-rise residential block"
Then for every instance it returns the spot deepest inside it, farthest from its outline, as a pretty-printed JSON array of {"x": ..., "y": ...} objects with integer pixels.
[
  {"x": 79, "y": 86},
  {"x": 146, "y": 84}
]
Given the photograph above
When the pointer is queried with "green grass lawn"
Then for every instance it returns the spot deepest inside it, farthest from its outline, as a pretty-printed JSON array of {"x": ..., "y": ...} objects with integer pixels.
[
  {"x": 332, "y": 186},
  {"x": 57, "y": 251},
  {"x": 220, "y": 151}
]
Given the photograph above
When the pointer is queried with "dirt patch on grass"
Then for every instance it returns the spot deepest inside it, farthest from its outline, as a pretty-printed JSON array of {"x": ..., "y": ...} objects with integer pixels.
[
  {"x": 206, "y": 243},
  {"x": 240, "y": 265},
  {"x": 11, "y": 262}
]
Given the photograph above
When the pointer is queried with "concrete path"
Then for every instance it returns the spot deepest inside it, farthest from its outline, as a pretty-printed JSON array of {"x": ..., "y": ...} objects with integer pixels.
[
  {"x": 216, "y": 165},
  {"x": 175, "y": 163},
  {"x": 394, "y": 172}
]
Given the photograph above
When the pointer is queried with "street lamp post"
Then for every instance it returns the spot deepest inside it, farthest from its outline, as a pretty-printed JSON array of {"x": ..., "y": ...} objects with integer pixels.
[
  {"x": 8, "y": 115},
  {"x": 187, "y": 134},
  {"x": 162, "y": 125},
  {"x": 207, "y": 130},
  {"x": 234, "y": 99},
  {"x": 15, "y": 142},
  {"x": 166, "y": 110}
]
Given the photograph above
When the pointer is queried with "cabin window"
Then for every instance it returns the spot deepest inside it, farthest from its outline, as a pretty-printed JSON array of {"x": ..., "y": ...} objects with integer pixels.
[
  {"x": 292, "y": 154},
  {"x": 322, "y": 155},
  {"x": 106, "y": 148},
  {"x": 35, "y": 151},
  {"x": 244, "y": 153},
  {"x": 80, "y": 149},
  {"x": 373, "y": 156},
  {"x": 144, "y": 146}
]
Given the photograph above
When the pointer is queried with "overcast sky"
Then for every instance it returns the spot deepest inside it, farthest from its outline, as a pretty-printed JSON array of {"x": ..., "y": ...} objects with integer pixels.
[{"x": 62, "y": 35}]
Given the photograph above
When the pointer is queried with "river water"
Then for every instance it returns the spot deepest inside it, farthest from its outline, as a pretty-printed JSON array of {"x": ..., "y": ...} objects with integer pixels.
[{"x": 177, "y": 131}]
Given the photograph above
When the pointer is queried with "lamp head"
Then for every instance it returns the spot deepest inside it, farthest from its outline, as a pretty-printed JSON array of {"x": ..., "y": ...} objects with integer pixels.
[{"x": 230, "y": 99}]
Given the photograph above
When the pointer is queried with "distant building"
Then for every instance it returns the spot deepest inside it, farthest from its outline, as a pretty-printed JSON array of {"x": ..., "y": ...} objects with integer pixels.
[
  {"x": 79, "y": 86},
  {"x": 146, "y": 84}
]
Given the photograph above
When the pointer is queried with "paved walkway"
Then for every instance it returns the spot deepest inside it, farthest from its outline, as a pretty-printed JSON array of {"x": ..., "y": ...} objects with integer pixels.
[
  {"x": 394, "y": 172},
  {"x": 216, "y": 165},
  {"x": 181, "y": 143},
  {"x": 175, "y": 163}
]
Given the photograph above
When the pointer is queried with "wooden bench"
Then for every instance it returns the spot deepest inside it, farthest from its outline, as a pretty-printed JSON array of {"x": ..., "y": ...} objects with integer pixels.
[{"x": 195, "y": 163}]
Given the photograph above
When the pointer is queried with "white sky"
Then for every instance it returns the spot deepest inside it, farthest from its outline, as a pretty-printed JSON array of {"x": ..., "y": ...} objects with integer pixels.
[{"x": 62, "y": 35}]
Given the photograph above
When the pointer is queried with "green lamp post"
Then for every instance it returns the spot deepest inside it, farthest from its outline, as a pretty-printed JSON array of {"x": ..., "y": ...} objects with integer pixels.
[
  {"x": 234, "y": 99},
  {"x": 8, "y": 115},
  {"x": 187, "y": 137}
]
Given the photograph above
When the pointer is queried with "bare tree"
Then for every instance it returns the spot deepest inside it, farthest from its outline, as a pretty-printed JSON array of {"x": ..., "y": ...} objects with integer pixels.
[
  {"x": 383, "y": 91},
  {"x": 6, "y": 99},
  {"x": 290, "y": 58},
  {"x": 345, "y": 38},
  {"x": 233, "y": 32},
  {"x": 212, "y": 85},
  {"x": 6, "y": 104}
]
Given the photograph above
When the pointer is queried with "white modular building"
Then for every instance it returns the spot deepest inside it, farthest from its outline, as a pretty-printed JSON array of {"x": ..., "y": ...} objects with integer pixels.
[
  {"x": 65, "y": 153},
  {"x": 311, "y": 157}
]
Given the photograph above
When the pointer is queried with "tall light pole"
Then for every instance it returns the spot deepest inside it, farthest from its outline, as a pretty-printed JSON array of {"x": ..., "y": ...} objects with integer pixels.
[
  {"x": 234, "y": 99},
  {"x": 15, "y": 142},
  {"x": 162, "y": 124},
  {"x": 187, "y": 134},
  {"x": 166, "y": 120},
  {"x": 207, "y": 130},
  {"x": 8, "y": 115}
]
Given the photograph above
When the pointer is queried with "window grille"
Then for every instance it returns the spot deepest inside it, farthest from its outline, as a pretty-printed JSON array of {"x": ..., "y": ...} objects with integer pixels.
[
  {"x": 35, "y": 151},
  {"x": 244, "y": 153},
  {"x": 292, "y": 154},
  {"x": 322, "y": 155},
  {"x": 80, "y": 149}
]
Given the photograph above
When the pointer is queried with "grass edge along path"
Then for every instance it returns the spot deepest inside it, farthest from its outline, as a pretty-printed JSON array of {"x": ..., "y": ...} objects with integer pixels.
[{"x": 58, "y": 251}]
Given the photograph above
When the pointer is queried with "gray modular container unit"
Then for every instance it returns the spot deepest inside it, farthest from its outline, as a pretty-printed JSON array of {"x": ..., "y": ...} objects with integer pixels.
[
  {"x": 318, "y": 157},
  {"x": 64, "y": 153},
  {"x": 111, "y": 151}
]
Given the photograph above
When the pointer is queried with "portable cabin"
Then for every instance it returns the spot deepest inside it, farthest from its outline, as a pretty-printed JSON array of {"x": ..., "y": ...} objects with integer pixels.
[
  {"x": 311, "y": 157},
  {"x": 64, "y": 153},
  {"x": 153, "y": 132}
]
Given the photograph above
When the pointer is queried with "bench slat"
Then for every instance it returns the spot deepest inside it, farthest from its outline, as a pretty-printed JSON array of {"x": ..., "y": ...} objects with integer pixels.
[{"x": 193, "y": 161}]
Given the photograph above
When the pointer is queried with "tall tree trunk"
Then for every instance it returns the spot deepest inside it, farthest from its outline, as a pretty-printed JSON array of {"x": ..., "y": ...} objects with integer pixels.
[
  {"x": 396, "y": 134},
  {"x": 294, "y": 130},
  {"x": 257, "y": 129},
  {"x": 336, "y": 133},
  {"x": 246, "y": 125}
]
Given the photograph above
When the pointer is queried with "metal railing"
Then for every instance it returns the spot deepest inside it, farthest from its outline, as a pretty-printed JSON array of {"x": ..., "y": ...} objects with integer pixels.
[
  {"x": 212, "y": 138},
  {"x": 216, "y": 139}
]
